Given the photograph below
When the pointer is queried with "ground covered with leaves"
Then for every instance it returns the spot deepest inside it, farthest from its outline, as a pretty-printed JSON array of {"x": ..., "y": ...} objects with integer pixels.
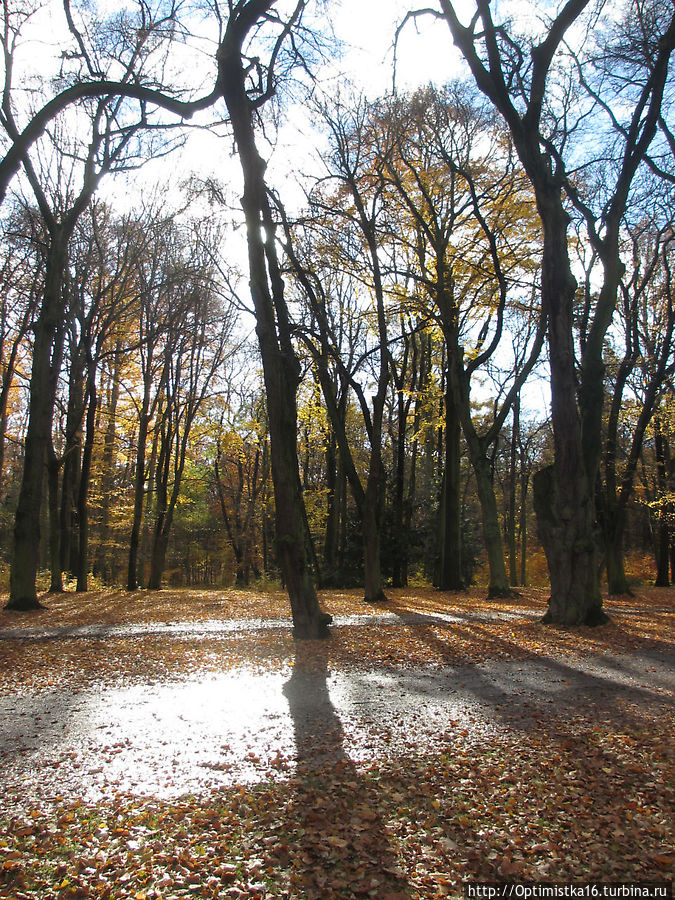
[{"x": 561, "y": 792}]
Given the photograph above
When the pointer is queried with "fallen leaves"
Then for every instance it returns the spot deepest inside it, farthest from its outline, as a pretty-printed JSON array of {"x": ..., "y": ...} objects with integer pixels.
[{"x": 575, "y": 793}]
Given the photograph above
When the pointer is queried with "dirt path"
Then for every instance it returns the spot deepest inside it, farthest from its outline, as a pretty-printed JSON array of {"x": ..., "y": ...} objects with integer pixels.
[
  {"x": 180, "y": 744},
  {"x": 190, "y": 731}
]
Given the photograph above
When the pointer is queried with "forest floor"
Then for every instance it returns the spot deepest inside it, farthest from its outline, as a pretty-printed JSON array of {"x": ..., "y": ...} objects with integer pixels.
[{"x": 180, "y": 744}]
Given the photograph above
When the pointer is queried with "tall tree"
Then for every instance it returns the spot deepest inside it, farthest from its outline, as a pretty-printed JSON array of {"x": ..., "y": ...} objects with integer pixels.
[
  {"x": 246, "y": 84},
  {"x": 518, "y": 74},
  {"x": 461, "y": 211},
  {"x": 194, "y": 351}
]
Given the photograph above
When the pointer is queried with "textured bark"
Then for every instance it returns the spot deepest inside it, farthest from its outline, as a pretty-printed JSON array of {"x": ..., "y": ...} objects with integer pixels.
[
  {"x": 564, "y": 499},
  {"x": 492, "y": 536},
  {"x": 47, "y": 353},
  {"x": 570, "y": 557},
  {"x": 450, "y": 534}
]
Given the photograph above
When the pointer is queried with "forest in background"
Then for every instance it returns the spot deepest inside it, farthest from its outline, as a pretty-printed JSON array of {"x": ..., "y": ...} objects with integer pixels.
[{"x": 405, "y": 309}]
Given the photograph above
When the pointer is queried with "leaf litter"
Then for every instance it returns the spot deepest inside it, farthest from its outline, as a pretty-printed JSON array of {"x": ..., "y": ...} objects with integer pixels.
[{"x": 582, "y": 790}]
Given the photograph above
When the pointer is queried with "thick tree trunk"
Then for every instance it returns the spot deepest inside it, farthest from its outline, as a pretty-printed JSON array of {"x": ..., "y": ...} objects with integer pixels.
[
  {"x": 47, "y": 353},
  {"x": 280, "y": 365},
  {"x": 563, "y": 495},
  {"x": 450, "y": 564},
  {"x": 158, "y": 557}
]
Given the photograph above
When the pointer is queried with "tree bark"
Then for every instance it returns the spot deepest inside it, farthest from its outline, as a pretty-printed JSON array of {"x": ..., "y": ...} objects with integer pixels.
[
  {"x": 82, "y": 571},
  {"x": 511, "y": 518},
  {"x": 662, "y": 545},
  {"x": 103, "y": 555},
  {"x": 450, "y": 564},
  {"x": 139, "y": 484},
  {"x": 47, "y": 352},
  {"x": 563, "y": 496}
]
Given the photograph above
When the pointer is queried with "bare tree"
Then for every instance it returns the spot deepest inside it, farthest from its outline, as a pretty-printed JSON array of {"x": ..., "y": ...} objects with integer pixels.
[
  {"x": 518, "y": 73},
  {"x": 247, "y": 83}
]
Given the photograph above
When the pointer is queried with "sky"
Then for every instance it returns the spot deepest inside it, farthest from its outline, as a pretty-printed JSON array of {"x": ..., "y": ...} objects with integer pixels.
[{"x": 366, "y": 30}]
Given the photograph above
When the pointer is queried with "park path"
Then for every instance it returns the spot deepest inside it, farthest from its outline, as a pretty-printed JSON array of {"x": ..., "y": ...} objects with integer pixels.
[{"x": 202, "y": 729}]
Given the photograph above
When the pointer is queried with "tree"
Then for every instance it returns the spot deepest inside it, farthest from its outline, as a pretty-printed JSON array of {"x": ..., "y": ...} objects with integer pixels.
[
  {"x": 193, "y": 354},
  {"x": 462, "y": 215},
  {"x": 108, "y": 56},
  {"x": 518, "y": 75},
  {"x": 20, "y": 280},
  {"x": 246, "y": 85},
  {"x": 639, "y": 378},
  {"x": 154, "y": 285},
  {"x": 99, "y": 143}
]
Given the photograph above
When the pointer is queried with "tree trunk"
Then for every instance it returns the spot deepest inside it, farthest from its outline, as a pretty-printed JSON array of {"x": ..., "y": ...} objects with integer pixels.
[
  {"x": 280, "y": 365},
  {"x": 330, "y": 543},
  {"x": 55, "y": 570},
  {"x": 511, "y": 522},
  {"x": 499, "y": 581},
  {"x": 85, "y": 477},
  {"x": 139, "y": 484},
  {"x": 617, "y": 582},
  {"x": 524, "y": 485},
  {"x": 400, "y": 565},
  {"x": 47, "y": 352},
  {"x": 158, "y": 559},
  {"x": 72, "y": 461},
  {"x": 450, "y": 565},
  {"x": 103, "y": 555},
  {"x": 371, "y": 523},
  {"x": 662, "y": 553},
  {"x": 662, "y": 530},
  {"x": 563, "y": 494}
]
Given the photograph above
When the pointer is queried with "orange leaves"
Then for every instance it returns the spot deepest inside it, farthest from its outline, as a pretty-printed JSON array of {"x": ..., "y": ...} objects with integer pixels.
[{"x": 579, "y": 793}]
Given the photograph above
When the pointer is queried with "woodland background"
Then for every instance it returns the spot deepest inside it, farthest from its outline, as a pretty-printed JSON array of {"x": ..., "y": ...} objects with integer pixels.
[{"x": 410, "y": 251}]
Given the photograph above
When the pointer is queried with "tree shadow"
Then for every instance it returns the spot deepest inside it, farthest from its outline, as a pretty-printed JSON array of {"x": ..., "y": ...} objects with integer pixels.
[
  {"x": 340, "y": 843},
  {"x": 518, "y": 688}
]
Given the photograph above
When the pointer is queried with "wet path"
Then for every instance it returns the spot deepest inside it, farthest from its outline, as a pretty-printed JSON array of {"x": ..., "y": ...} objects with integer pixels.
[
  {"x": 186, "y": 735},
  {"x": 216, "y": 627}
]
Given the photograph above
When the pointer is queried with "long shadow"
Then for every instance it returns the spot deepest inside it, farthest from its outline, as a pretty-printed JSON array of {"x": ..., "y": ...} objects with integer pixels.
[
  {"x": 336, "y": 828},
  {"x": 570, "y": 723},
  {"x": 516, "y": 692}
]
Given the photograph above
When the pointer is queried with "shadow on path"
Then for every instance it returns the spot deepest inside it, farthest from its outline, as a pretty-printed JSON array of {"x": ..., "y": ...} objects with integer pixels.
[
  {"x": 334, "y": 821},
  {"x": 519, "y": 691}
]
